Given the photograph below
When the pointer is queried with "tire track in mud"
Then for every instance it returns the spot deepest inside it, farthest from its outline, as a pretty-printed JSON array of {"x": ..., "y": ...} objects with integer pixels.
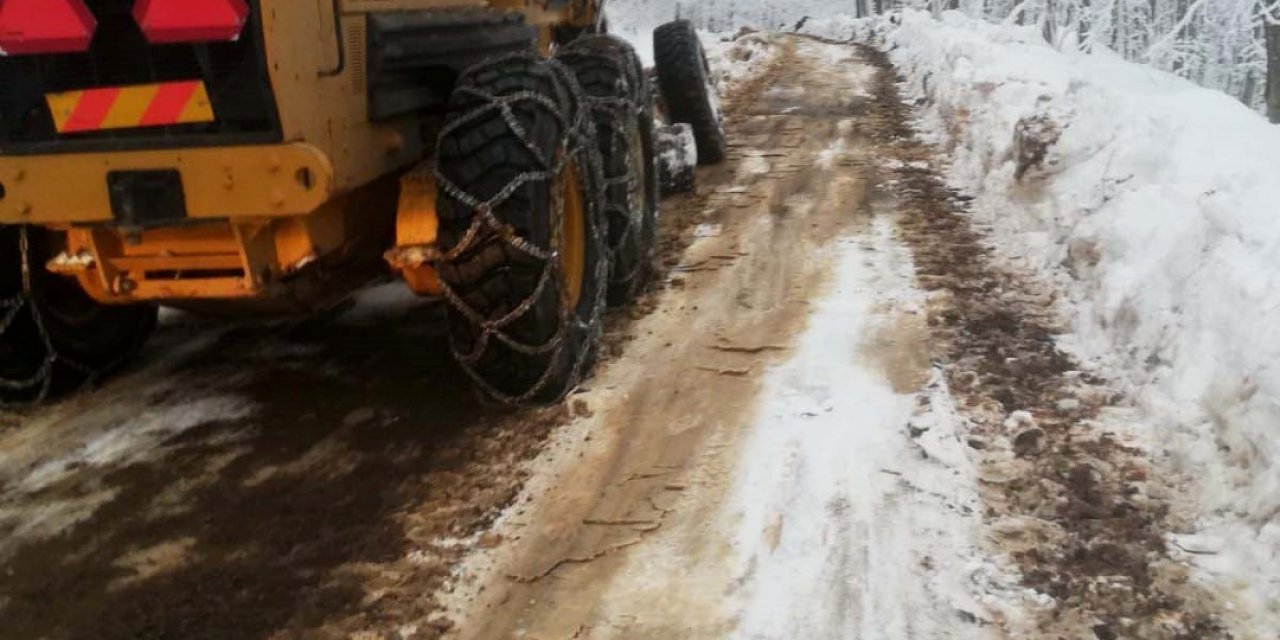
[{"x": 1076, "y": 507}]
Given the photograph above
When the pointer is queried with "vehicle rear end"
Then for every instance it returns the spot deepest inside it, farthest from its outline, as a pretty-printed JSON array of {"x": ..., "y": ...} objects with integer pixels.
[
  {"x": 269, "y": 155},
  {"x": 182, "y": 152},
  {"x": 188, "y": 150}
]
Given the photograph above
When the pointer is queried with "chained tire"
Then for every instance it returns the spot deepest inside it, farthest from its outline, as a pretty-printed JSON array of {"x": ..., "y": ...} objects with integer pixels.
[
  {"x": 523, "y": 253},
  {"x": 684, "y": 78},
  {"x": 54, "y": 338},
  {"x": 617, "y": 92}
]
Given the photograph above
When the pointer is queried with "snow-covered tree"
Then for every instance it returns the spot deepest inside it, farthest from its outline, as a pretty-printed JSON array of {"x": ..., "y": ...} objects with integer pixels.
[{"x": 1220, "y": 44}]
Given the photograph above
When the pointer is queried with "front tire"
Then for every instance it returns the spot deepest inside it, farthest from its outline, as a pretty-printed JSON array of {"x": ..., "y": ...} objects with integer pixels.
[
  {"x": 522, "y": 232},
  {"x": 54, "y": 338},
  {"x": 684, "y": 77}
]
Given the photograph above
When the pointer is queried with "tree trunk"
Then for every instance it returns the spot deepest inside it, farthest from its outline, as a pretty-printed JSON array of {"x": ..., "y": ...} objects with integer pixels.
[
  {"x": 1249, "y": 94},
  {"x": 1273, "y": 72},
  {"x": 1050, "y": 24}
]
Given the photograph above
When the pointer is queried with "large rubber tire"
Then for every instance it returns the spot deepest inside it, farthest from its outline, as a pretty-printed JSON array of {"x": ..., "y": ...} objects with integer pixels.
[
  {"x": 684, "y": 77},
  {"x": 617, "y": 89},
  {"x": 54, "y": 338},
  {"x": 511, "y": 323}
]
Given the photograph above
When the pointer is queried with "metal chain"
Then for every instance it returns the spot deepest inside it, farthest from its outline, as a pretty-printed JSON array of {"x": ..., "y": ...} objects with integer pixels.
[
  {"x": 616, "y": 112},
  {"x": 575, "y": 144},
  {"x": 42, "y": 379}
]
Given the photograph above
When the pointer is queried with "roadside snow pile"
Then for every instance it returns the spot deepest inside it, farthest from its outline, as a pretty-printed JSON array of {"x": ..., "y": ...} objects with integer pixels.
[{"x": 1152, "y": 203}]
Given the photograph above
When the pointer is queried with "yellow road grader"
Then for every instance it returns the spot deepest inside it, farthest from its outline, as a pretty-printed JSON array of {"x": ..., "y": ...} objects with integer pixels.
[{"x": 251, "y": 156}]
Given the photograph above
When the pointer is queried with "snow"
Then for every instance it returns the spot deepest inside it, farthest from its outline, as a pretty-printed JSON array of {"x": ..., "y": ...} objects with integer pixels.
[
  {"x": 383, "y": 303},
  {"x": 142, "y": 427},
  {"x": 1153, "y": 210},
  {"x": 137, "y": 438},
  {"x": 677, "y": 151},
  {"x": 734, "y": 60},
  {"x": 841, "y": 528}
]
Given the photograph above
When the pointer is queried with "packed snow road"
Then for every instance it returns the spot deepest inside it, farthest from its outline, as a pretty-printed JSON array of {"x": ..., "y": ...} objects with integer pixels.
[{"x": 836, "y": 420}]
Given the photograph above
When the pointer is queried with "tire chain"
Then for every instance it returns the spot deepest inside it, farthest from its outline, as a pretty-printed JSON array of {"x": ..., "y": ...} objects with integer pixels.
[
  {"x": 578, "y": 137},
  {"x": 42, "y": 379},
  {"x": 618, "y": 111}
]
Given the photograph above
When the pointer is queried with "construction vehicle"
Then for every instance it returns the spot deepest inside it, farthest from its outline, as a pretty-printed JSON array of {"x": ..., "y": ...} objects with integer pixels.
[{"x": 250, "y": 156}]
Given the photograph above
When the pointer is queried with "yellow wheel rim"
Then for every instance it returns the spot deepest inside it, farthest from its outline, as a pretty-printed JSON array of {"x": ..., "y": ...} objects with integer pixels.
[{"x": 573, "y": 237}]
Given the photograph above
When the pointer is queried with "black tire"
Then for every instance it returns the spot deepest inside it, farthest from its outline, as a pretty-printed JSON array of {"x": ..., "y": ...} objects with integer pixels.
[
  {"x": 511, "y": 325},
  {"x": 54, "y": 338},
  {"x": 617, "y": 90},
  {"x": 684, "y": 77}
]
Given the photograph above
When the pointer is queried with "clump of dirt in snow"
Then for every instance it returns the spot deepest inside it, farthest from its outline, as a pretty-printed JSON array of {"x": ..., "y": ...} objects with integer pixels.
[
  {"x": 1033, "y": 137},
  {"x": 1070, "y": 502}
]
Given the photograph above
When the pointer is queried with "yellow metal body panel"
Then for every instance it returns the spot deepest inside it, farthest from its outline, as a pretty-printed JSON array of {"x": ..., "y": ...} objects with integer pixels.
[
  {"x": 220, "y": 259},
  {"x": 417, "y": 224},
  {"x": 280, "y": 206},
  {"x": 219, "y": 182}
]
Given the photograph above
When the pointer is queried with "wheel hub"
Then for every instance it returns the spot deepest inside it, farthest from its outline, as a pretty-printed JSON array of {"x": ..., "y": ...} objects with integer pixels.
[{"x": 573, "y": 235}]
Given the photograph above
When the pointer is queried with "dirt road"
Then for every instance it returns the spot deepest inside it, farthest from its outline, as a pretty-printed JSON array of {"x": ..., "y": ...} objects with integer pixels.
[{"x": 835, "y": 420}]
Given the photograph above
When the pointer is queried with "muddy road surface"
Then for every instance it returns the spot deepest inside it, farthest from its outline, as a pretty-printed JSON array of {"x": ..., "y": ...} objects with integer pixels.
[{"x": 836, "y": 417}]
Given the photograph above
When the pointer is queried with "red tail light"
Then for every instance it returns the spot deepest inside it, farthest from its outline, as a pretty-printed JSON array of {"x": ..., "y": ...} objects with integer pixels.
[
  {"x": 45, "y": 26},
  {"x": 169, "y": 21}
]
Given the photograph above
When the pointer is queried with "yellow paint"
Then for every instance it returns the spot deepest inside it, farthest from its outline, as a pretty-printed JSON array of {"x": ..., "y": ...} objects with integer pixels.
[
  {"x": 417, "y": 226},
  {"x": 61, "y": 105},
  {"x": 129, "y": 107},
  {"x": 219, "y": 182},
  {"x": 573, "y": 237},
  {"x": 416, "y": 220},
  {"x": 199, "y": 108}
]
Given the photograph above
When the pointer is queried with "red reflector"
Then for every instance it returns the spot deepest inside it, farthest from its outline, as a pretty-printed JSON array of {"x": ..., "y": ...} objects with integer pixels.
[
  {"x": 45, "y": 26},
  {"x": 168, "y": 21}
]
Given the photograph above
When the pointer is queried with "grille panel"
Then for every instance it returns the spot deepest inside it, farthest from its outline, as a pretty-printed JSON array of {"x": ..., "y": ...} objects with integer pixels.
[{"x": 234, "y": 73}]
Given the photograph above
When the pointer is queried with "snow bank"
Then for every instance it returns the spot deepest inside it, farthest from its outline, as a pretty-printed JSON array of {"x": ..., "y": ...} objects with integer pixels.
[{"x": 1151, "y": 203}]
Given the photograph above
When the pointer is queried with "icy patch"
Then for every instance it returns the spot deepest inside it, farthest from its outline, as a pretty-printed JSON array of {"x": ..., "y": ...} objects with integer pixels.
[
  {"x": 137, "y": 439},
  {"x": 753, "y": 164},
  {"x": 383, "y": 303},
  {"x": 708, "y": 230},
  {"x": 835, "y": 151}
]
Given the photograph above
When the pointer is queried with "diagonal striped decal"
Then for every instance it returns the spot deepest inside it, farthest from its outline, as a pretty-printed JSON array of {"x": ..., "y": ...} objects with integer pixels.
[
  {"x": 150, "y": 105},
  {"x": 91, "y": 109},
  {"x": 169, "y": 102}
]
